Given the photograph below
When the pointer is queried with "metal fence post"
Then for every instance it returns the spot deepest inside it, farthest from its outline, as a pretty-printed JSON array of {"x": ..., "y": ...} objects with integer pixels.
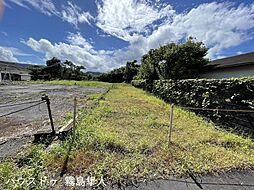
[
  {"x": 46, "y": 98},
  {"x": 170, "y": 123}
]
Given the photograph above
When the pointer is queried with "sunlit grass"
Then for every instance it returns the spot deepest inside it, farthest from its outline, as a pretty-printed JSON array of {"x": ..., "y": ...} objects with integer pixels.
[
  {"x": 126, "y": 138},
  {"x": 18, "y": 174},
  {"x": 79, "y": 83}
]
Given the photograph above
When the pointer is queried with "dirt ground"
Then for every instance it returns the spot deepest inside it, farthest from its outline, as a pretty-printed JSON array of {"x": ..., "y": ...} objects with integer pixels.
[{"x": 28, "y": 122}]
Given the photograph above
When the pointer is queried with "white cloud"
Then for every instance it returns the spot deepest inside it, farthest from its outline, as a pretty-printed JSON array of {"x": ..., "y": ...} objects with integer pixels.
[
  {"x": 70, "y": 13},
  {"x": 240, "y": 52},
  {"x": 221, "y": 57},
  {"x": 148, "y": 24},
  {"x": 47, "y": 7},
  {"x": 5, "y": 4},
  {"x": 218, "y": 25},
  {"x": 74, "y": 14},
  {"x": 79, "y": 40},
  {"x": 6, "y": 54},
  {"x": 5, "y": 34},
  {"x": 80, "y": 54},
  {"x": 124, "y": 18},
  {"x": 145, "y": 26}
]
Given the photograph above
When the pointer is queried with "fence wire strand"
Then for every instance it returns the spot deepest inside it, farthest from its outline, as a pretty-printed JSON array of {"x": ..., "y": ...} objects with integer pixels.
[
  {"x": 18, "y": 104},
  {"x": 10, "y": 113},
  {"x": 218, "y": 110}
]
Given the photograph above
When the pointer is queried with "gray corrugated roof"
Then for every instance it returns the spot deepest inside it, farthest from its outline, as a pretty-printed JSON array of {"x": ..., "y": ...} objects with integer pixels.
[
  {"x": 13, "y": 67},
  {"x": 239, "y": 60}
]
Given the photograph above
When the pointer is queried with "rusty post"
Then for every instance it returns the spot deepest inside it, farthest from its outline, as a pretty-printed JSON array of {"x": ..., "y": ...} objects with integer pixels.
[{"x": 46, "y": 98}]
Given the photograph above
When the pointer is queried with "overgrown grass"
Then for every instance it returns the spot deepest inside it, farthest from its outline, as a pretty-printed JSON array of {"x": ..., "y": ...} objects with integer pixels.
[
  {"x": 125, "y": 139},
  {"x": 79, "y": 83},
  {"x": 29, "y": 169},
  {"x": 25, "y": 173}
]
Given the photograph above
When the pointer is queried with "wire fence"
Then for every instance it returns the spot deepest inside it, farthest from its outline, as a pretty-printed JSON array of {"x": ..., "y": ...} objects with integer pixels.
[
  {"x": 23, "y": 109},
  {"x": 18, "y": 104},
  {"x": 26, "y": 105},
  {"x": 219, "y": 109},
  {"x": 239, "y": 120},
  {"x": 233, "y": 116},
  {"x": 35, "y": 103}
]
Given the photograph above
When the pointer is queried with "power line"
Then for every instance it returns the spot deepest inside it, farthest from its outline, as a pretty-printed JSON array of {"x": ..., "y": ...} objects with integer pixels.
[{"x": 10, "y": 113}]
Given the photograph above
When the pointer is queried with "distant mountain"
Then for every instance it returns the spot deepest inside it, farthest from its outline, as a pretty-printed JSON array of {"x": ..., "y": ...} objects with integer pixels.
[{"x": 23, "y": 65}]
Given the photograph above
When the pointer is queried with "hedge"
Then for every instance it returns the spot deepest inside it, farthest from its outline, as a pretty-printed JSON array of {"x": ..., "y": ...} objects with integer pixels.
[{"x": 233, "y": 94}]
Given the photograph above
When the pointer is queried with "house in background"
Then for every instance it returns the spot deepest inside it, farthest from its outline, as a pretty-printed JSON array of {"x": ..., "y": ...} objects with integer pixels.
[
  {"x": 14, "y": 71},
  {"x": 230, "y": 67}
]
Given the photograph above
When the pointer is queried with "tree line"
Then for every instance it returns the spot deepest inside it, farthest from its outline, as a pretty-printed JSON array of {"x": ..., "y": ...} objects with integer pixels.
[
  {"x": 122, "y": 74},
  {"x": 171, "y": 61},
  {"x": 55, "y": 69}
]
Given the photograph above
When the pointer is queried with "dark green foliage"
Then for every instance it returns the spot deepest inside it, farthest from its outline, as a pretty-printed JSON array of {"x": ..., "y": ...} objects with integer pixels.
[
  {"x": 72, "y": 71},
  {"x": 37, "y": 72},
  {"x": 114, "y": 76},
  {"x": 232, "y": 94},
  {"x": 149, "y": 68},
  {"x": 122, "y": 74},
  {"x": 174, "y": 61},
  {"x": 131, "y": 70},
  {"x": 57, "y": 70},
  {"x": 54, "y": 68}
]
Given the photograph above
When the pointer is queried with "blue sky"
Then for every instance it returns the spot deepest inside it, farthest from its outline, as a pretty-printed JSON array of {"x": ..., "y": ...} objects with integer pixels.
[{"x": 104, "y": 34}]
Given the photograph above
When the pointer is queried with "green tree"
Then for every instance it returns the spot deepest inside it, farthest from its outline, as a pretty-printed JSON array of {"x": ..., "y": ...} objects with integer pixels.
[
  {"x": 54, "y": 68},
  {"x": 114, "y": 76},
  {"x": 36, "y": 72},
  {"x": 174, "y": 61},
  {"x": 131, "y": 70},
  {"x": 73, "y": 72},
  {"x": 122, "y": 74},
  {"x": 149, "y": 68}
]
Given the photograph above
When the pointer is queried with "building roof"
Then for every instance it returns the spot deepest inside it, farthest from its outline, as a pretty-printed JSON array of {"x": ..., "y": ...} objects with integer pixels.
[
  {"x": 12, "y": 67},
  {"x": 235, "y": 61}
]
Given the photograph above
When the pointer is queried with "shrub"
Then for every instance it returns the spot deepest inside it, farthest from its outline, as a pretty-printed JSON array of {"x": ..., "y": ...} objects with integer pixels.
[{"x": 233, "y": 94}]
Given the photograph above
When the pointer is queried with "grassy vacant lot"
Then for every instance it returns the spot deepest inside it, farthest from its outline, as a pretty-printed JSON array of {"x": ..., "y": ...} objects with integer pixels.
[
  {"x": 125, "y": 138},
  {"x": 80, "y": 83}
]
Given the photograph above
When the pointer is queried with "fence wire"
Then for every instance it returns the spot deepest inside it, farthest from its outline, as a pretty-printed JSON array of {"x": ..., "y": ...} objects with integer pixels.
[
  {"x": 218, "y": 110},
  {"x": 18, "y": 104},
  {"x": 16, "y": 111}
]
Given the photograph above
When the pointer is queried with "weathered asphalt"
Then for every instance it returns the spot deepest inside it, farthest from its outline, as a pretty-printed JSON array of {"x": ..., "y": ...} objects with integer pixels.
[{"x": 234, "y": 180}]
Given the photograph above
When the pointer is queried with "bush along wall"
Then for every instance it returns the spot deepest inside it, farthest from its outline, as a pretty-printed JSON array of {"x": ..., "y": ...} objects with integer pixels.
[{"x": 231, "y": 94}]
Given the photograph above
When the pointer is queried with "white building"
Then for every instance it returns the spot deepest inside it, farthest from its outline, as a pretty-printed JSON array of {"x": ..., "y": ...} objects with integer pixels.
[
  {"x": 13, "y": 71},
  {"x": 230, "y": 67}
]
